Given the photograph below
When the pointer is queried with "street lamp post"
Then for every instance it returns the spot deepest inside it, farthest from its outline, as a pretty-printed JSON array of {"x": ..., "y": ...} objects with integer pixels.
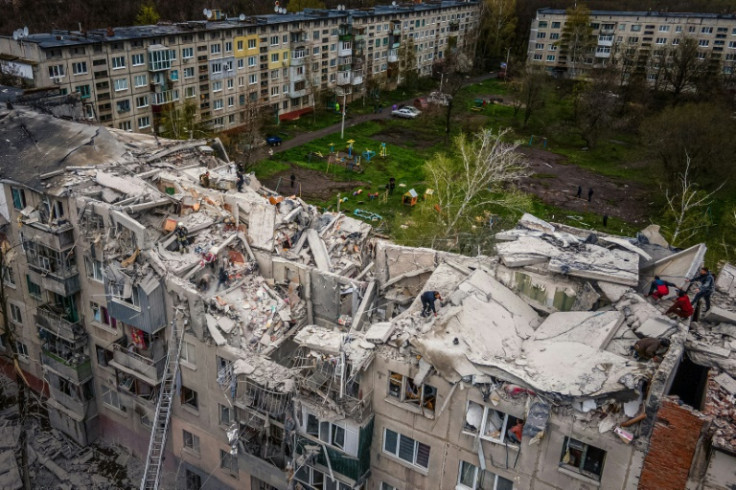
[{"x": 342, "y": 126}]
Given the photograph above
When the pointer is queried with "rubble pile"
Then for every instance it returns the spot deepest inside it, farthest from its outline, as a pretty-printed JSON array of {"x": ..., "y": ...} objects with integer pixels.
[{"x": 720, "y": 403}]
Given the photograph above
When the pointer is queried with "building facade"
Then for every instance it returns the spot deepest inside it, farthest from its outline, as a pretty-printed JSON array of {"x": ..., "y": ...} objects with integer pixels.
[
  {"x": 633, "y": 41},
  {"x": 128, "y": 76},
  {"x": 300, "y": 354}
]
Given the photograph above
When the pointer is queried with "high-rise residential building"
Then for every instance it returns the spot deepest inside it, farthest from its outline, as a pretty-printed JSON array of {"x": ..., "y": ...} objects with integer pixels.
[
  {"x": 632, "y": 42},
  {"x": 128, "y": 77},
  {"x": 242, "y": 339}
]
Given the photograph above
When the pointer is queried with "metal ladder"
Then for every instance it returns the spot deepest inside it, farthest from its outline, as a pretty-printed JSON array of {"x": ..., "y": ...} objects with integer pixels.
[{"x": 157, "y": 444}]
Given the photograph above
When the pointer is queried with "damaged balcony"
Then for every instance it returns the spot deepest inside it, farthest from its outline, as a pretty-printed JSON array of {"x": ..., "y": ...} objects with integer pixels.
[
  {"x": 61, "y": 320},
  {"x": 67, "y": 358},
  {"x": 143, "y": 357},
  {"x": 333, "y": 447},
  {"x": 54, "y": 270},
  {"x": 77, "y": 398},
  {"x": 56, "y": 235}
]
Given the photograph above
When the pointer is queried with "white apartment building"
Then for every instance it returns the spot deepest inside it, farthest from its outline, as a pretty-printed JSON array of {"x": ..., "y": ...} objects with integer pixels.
[
  {"x": 633, "y": 39},
  {"x": 127, "y": 76}
]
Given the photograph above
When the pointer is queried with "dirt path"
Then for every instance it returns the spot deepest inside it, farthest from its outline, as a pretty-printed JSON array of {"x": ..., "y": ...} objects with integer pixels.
[
  {"x": 310, "y": 183},
  {"x": 557, "y": 183}
]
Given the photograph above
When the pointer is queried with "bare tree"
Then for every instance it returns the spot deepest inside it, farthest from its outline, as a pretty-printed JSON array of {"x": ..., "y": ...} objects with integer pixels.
[
  {"x": 683, "y": 204},
  {"x": 497, "y": 29},
  {"x": 577, "y": 36},
  {"x": 682, "y": 67},
  {"x": 595, "y": 103},
  {"x": 529, "y": 92},
  {"x": 451, "y": 74},
  {"x": 464, "y": 183}
]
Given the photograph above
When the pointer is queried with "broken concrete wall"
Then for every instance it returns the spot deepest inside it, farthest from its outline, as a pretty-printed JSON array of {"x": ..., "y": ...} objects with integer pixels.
[
  {"x": 286, "y": 272},
  {"x": 264, "y": 260},
  {"x": 547, "y": 291},
  {"x": 394, "y": 260},
  {"x": 325, "y": 295},
  {"x": 261, "y": 223}
]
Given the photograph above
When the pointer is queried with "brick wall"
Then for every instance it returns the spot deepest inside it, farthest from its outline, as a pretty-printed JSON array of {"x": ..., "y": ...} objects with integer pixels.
[{"x": 672, "y": 446}]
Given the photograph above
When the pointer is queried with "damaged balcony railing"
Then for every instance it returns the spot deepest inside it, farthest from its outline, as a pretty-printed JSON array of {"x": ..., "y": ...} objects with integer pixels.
[
  {"x": 152, "y": 369},
  {"x": 251, "y": 395},
  {"x": 57, "y": 321},
  {"x": 322, "y": 384}
]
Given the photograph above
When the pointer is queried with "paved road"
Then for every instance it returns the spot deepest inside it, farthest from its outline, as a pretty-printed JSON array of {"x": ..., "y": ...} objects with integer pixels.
[{"x": 350, "y": 121}]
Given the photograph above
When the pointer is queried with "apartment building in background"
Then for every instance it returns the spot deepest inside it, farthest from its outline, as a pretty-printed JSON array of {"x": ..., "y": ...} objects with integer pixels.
[
  {"x": 247, "y": 340},
  {"x": 633, "y": 41},
  {"x": 126, "y": 77}
]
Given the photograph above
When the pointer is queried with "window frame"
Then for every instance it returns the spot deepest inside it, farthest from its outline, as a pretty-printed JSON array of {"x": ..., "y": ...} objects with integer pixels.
[
  {"x": 584, "y": 451},
  {"x": 396, "y": 453},
  {"x": 189, "y": 398},
  {"x": 403, "y": 383},
  {"x": 190, "y": 441},
  {"x": 482, "y": 431}
]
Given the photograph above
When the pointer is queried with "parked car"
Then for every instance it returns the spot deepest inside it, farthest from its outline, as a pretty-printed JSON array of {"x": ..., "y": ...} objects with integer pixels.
[
  {"x": 274, "y": 140},
  {"x": 411, "y": 108},
  {"x": 404, "y": 112}
]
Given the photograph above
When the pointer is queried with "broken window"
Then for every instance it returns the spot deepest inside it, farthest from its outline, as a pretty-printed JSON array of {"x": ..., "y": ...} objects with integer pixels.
[
  {"x": 189, "y": 397},
  {"x": 406, "y": 448},
  {"x": 111, "y": 398},
  {"x": 187, "y": 353},
  {"x": 228, "y": 462},
  {"x": 226, "y": 415},
  {"x": 405, "y": 390},
  {"x": 326, "y": 431},
  {"x": 582, "y": 458},
  {"x": 19, "y": 198},
  {"x": 193, "y": 481},
  {"x": 100, "y": 315},
  {"x": 104, "y": 356},
  {"x": 94, "y": 269},
  {"x": 190, "y": 441},
  {"x": 472, "y": 477},
  {"x": 492, "y": 424}
]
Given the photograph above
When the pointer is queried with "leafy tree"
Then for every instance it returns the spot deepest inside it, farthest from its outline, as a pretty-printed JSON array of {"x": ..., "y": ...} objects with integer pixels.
[
  {"x": 595, "y": 104},
  {"x": 147, "y": 14},
  {"x": 529, "y": 92},
  {"x": 577, "y": 36},
  {"x": 702, "y": 132},
  {"x": 299, "y": 5},
  {"x": 450, "y": 72},
  {"x": 497, "y": 29},
  {"x": 683, "y": 69},
  {"x": 464, "y": 183},
  {"x": 179, "y": 121}
]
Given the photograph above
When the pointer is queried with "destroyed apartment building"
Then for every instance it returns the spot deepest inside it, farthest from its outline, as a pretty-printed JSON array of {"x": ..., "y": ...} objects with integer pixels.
[{"x": 242, "y": 339}]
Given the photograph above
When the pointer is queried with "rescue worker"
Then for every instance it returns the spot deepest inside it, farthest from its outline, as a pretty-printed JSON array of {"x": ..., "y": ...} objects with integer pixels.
[
  {"x": 705, "y": 290},
  {"x": 428, "y": 299},
  {"x": 682, "y": 306},
  {"x": 659, "y": 288},
  {"x": 182, "y": 239},
  {"x": 650, "y": 347},
  {"x": 204, "y": 179}
]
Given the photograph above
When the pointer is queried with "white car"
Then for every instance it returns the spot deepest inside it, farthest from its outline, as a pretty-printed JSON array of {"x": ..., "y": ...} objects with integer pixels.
[
  {"x": 404, "y": 112},
  {"x": 412, "y": 109}
]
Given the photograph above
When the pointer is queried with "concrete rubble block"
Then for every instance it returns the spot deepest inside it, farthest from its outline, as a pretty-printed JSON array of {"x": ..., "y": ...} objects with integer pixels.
[
  {"x": 652, "y": 234},
  {"x": 613, "y": 292},
  {"x": 709, "y": 349},
  {"x": 726, "y": 280},
  {"x": 401, "y": 260},
  {"x": 319, "y": 250},
  {"x": 9, "y": 474},
  {"x": 616, "y": 266},
  {"x": 214, "y": 331},
  {"x": 380, "y": 332},
  {"x": 726, "y": 329},
  {"x": 727, "y": 382},
  {"x": 262, "y": 221},
  {"x": 656, "y": 327},
  {"x": 594, "y": 329},
  {"x": 718, "y": 314},
  {"x": 531, "y": 222},
  {"x": 9, "y": 436}
]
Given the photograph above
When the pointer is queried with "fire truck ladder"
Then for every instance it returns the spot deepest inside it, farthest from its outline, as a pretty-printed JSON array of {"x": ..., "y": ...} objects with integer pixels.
[{"x": 157, "y": 444}]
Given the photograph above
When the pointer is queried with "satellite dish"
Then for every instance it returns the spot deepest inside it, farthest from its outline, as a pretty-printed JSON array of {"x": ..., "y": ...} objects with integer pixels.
[
  {"x": 393, "y": 4},
  {"x": 207, "y": 13},
  {"x": 276, "y": 9},
  {"x": 25, "y": 32},
  {"x": 283, "y": 10},
  {"x": 15, "y": 35},
  {"x": 241, "y": 17}
]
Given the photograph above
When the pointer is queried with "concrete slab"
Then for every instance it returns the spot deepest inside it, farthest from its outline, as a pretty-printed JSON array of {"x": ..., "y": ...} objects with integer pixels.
[
  {"x": 591, "y": 328},
  {"x": 726, "y": 280},
  {"x": 9, "y": 474},
  {"x": 214, "y": 331},
  {"x": 379, "y": 333},
  {"x": 718, "y": 314},
  {"x": 652, "y": 234},
  {"x": 613, "y": 292},
  {"x": 727, "y": 382},
  {"x": 319, "y": 250},
  {"x": 261, "y": 224},
  {"x": 656, "y": 327}
]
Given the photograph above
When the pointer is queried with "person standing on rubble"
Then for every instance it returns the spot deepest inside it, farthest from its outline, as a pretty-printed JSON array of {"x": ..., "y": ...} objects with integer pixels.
[
  {"x": 204, "y": 179},
  {"x": 182, "y": 239},
  {"x": 241, "y": 179},
  {"x": 428, "y": 298},
  {"x": 223, "y": 278},
  {"x": 707, "y": 284},
  {"x": 682, "y": 306}
]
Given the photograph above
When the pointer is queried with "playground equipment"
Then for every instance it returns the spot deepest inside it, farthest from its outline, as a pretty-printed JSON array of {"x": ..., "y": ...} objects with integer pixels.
[
  {"x": 410, "y": 198},
  {"x": 428, "y": 194},
  {"x": 332, "y": 147},
  {"x": 368, "y": 154},
  {"x": 384, "y": 150},
  {"x": 362, "y": 213},
  {"x": 350, "y": 147}
]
